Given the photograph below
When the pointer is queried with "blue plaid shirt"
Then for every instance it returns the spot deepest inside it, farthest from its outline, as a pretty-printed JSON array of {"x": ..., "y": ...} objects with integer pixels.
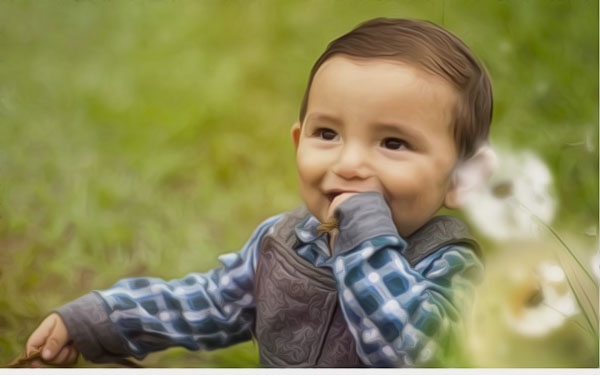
[{"x": 398, "y": 314}]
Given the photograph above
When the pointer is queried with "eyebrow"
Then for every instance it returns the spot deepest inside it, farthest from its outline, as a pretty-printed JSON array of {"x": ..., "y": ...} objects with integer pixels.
[{"x": 323, "y": 117}]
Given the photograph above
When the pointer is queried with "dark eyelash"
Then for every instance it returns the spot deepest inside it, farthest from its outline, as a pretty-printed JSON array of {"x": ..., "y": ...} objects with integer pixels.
[
  {"x": 399, "y": 142},
  {"x": 319, "y": 132}
]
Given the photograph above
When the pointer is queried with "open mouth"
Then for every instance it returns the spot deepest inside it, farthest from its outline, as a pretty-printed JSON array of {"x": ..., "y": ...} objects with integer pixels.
[{"x": 331, "y": 196}]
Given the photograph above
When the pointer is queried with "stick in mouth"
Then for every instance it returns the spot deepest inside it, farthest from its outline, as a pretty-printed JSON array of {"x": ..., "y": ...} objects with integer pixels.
[{"x": 328, "y": 226}]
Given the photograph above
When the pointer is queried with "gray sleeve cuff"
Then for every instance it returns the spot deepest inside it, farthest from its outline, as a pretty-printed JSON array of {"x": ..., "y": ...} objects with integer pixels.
[
  {"x": 91, "y": 330},
  {"x": 362, "y": 217}
]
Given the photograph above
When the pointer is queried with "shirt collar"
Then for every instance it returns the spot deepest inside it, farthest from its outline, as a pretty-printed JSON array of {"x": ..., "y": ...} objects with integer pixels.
[{"x": 312, "y": 244}]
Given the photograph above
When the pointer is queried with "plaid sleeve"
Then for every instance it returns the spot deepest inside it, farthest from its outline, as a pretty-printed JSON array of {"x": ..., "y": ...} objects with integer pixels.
[
  {"x": 400, "y": 315},
  {"x": 200, "y": 311}
]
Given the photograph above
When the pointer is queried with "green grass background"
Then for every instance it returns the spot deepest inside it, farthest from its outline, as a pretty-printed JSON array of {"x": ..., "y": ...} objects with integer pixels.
[{"x": 147, "y": 137}]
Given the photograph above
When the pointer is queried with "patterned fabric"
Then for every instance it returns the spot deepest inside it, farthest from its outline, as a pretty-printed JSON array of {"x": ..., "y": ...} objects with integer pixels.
[{"x": 398, "y": 314}]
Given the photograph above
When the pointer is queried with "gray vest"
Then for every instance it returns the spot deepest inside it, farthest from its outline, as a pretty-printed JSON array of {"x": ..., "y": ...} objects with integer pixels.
[{"x": 299, "y": 322}]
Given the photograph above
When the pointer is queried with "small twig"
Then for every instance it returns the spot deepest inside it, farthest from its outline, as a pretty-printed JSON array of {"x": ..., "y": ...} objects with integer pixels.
[
  {"x": 24, "y": 360},
  {"x": 328, "y": 226}
]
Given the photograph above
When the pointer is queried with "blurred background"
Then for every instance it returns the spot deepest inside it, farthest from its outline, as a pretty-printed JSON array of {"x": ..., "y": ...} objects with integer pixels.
[{"x": 144, "y": 138}]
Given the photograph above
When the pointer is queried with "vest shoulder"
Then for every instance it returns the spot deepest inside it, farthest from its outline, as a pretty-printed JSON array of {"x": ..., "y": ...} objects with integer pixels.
[
  {"x": 438, "y": 232},
  {"x": 284, "y": 230}
]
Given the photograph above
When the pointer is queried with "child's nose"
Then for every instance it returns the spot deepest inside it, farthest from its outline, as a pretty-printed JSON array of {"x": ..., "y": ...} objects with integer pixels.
[{"x": 352, "y": 163}]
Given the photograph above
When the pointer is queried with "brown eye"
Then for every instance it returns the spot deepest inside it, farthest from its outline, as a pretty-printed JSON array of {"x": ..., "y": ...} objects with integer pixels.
[
  {"x": 326, "y": 134},
  {"x": 394, "y": 144}
]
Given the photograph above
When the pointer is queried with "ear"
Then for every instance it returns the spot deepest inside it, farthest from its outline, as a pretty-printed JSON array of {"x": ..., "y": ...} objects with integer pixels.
[
  {"x": 295, "y": 131},
  {"x": 469, "y": 175}
]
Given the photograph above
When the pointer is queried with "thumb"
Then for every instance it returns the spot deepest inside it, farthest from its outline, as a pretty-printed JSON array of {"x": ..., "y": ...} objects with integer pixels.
[
  {"x": 57, "y": 339},
  {"x": 338, "y": 200},
  {"x": 39, "y": 337}
]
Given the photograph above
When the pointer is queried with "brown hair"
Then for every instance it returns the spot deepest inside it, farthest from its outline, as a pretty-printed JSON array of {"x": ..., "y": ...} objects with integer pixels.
[{"x": 434, "y": 49}]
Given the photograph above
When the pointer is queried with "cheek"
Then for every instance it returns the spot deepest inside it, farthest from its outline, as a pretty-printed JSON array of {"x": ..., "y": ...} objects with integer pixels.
[
  {"x": 311, "y": 171},
  {"x": 413, "y": 185},
  {"x": 311, "y": 165},
  {"x": 403, "y": 178}
]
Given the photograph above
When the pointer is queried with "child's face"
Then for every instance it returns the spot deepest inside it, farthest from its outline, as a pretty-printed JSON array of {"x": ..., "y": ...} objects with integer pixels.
[{"x": 377, "y": 125}]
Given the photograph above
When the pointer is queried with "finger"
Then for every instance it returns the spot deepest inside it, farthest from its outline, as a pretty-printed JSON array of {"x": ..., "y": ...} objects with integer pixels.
[
  {"x": 39, "y": 336},
  {"x": 72, "y": 358},
  {"x": 57, "y": 339},
  {"x": 339, "y": 199},
  {"x": 61, "y": 356}
]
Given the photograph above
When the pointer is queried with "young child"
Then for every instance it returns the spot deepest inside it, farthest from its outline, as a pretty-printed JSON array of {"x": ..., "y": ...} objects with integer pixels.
[{"x": 393, "y": 126}]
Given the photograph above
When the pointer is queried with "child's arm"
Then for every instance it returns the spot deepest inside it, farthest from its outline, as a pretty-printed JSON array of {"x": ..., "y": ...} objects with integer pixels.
[
  {"x": 140, "y": 315},
  {"x": 399, "y": 315}
]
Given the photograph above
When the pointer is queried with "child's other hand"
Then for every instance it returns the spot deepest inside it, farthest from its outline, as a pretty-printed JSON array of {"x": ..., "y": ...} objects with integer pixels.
[{"x": 52, "y": 338}]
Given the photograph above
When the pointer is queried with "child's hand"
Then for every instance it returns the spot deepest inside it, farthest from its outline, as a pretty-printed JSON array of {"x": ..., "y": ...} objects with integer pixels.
[
  {"x": 52, "y": 338},
  {"x": 336, "y": 202}
]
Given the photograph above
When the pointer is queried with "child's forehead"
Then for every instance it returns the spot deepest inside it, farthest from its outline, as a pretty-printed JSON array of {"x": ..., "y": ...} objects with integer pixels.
[
  {"x": 378, "y": 83},
  {"x": 385, "y": 75}
]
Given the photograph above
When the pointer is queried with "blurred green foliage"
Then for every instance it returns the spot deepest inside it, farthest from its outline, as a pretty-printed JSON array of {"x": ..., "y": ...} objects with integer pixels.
[{"x": 147, "y": 137}]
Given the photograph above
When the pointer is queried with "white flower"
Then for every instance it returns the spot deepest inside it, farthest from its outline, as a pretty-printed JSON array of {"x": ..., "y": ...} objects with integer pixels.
[
  {"x": 541, "y": 303},
  {"x": 519, "y": 188}
]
